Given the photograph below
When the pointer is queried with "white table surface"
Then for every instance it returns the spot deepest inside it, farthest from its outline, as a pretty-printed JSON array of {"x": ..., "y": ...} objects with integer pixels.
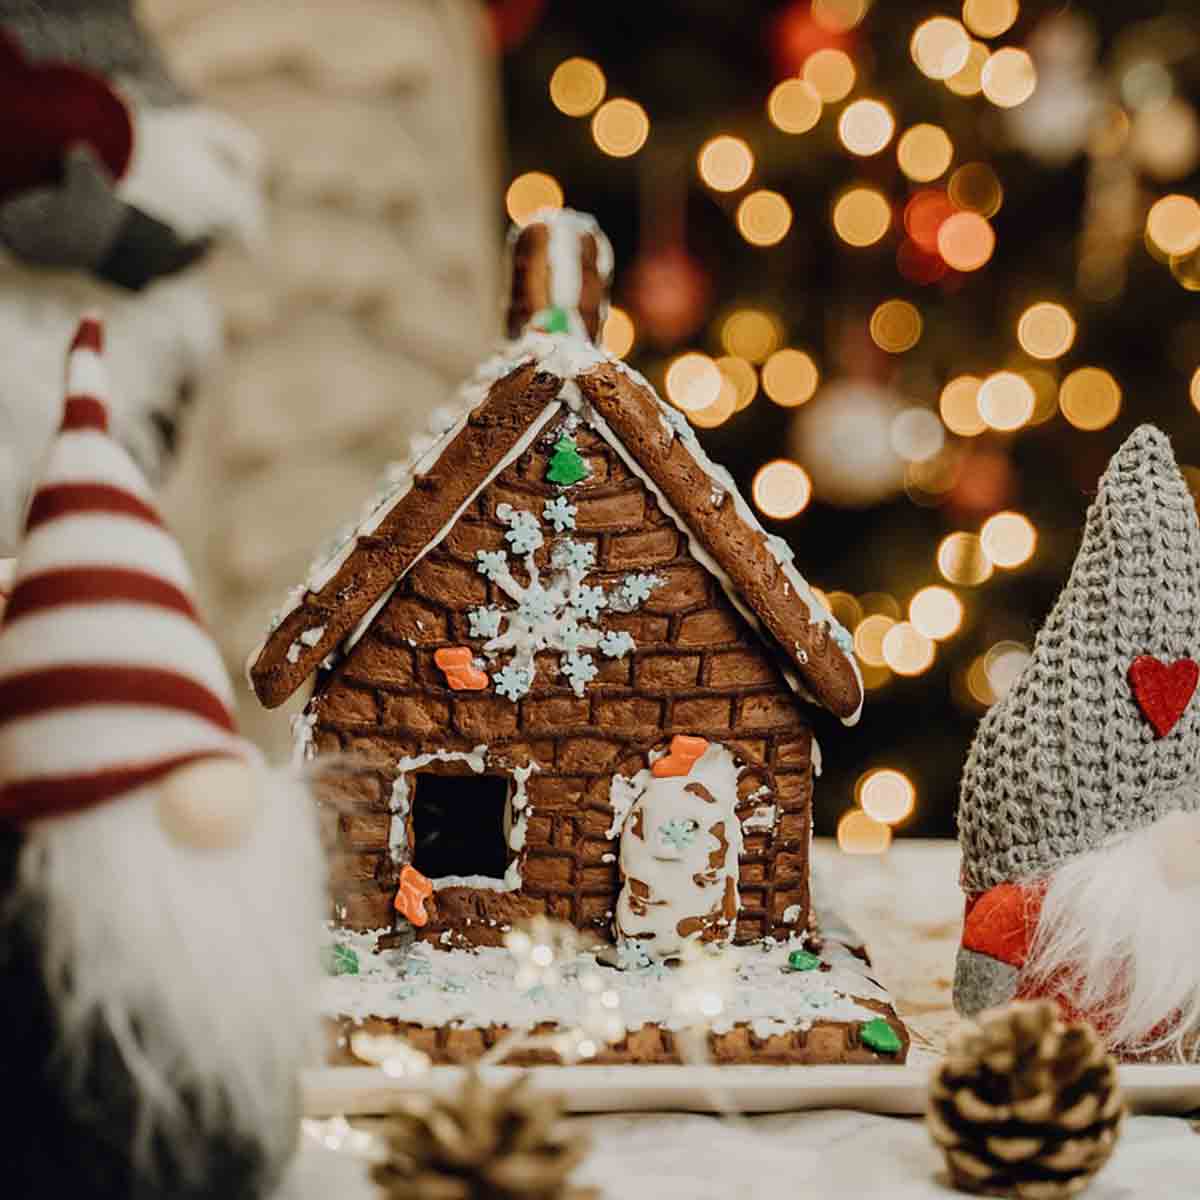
[{"x": 907, "y": 906}]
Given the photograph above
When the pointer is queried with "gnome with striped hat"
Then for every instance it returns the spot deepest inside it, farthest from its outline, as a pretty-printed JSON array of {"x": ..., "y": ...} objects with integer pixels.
[
  {"x": 1080, "y": 810},
  {"x": 160, "y": 889}
]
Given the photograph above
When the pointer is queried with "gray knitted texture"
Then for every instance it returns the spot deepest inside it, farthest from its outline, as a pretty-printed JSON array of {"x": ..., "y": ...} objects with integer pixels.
[{"x": 1067, "y": 760}]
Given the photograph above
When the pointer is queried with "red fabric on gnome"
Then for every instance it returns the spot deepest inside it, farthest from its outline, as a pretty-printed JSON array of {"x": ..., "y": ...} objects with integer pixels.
[{"x": 45, "y": 109}]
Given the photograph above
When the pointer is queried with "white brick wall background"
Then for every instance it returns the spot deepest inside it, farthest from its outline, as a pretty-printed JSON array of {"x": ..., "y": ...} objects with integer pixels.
[{"x": 375, "y": 293}]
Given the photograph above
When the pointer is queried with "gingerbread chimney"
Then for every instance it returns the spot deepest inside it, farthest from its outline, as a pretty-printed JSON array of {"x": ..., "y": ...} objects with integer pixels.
[{"x": 561, "y": 268}]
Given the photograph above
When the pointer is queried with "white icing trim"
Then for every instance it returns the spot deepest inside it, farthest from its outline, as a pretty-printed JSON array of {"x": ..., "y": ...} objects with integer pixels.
[{"x": 399, "y": 806}]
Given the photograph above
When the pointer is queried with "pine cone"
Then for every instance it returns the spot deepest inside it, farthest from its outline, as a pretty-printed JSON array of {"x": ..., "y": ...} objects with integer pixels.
[
  {"x": 1025, "y": 1105},
  {"x": 485, "y": 1143}
]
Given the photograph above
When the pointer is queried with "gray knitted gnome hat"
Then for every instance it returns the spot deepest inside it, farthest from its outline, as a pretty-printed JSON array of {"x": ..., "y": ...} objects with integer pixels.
[{"x": 1086, "y": 744}]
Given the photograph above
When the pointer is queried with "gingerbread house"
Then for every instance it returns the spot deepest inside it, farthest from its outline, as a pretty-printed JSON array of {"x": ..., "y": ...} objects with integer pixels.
[{"x": 573, "y": 671}]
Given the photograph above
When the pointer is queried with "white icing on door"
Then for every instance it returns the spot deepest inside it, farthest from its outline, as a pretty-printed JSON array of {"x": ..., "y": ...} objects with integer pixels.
[{"x": 679, "y": 858}]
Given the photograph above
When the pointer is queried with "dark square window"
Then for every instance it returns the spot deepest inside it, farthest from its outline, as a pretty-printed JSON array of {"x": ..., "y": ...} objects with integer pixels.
[{"x": 459, "y": 825}]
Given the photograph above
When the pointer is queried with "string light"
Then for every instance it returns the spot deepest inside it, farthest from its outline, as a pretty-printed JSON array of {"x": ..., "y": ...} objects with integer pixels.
[
  {"x": 1046, "y": 330},
  {"x": 577, "y": 87},
  {"x": 1009, "y": 77},
  {"x": 830, "y": 73},
  {"x": 1173, "y": 225},
  {"x": 887, "y": 795},
  {"x": 1090, "y": 398},
  {"x": 752, "y": 334},
  {"x": 725, "y": 163},
  {"x": 865, "y": 127},
  {"x": 896, "y": 326},
  {"x": 620, "y": 127},
  {"x": 968, "y": 81},
  {"x": 693, "y": 382},
  {"x": 936, "y": 612},
  {"x": 782, "y": 489},
  {"x": 838, "y": 16},
  {"x": 862, "y": 216},
  {"x": 790, "y": 377},
  {"x": 924, "y": 152},
  {"x": 907, "y": 650},
  {"x": 966, "y": 241},
  {"x": 868, "y": 638},
  {"x": 794, "y": 106},
  {"x": 975, "y": 187},
  {"x": 530, "y": 192},
  {"x": 959, "y": 406},
  {"x": 961, "y": 560},
  {"x": 764, "y": 218},
  {"x": 742, "y": 377},
  {"x": 859, "y": 833},
  {"x": 989, "y": 18},
  {"x": 1008, "y": 539},
  {"x": 619, "y": 332},
  {"x": 940, "y": 47},
  {"x": 1005, "y": 401}
]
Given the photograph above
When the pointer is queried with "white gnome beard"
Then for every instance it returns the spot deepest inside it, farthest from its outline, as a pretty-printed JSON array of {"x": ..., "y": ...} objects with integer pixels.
[
  {"x": 1123, "y": 937},
  {"x": 212, "y": 955}
]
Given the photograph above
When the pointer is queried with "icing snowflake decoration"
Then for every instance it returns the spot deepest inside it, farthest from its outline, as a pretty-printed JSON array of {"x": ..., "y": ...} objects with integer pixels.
[{"x": 556, "y": 612}]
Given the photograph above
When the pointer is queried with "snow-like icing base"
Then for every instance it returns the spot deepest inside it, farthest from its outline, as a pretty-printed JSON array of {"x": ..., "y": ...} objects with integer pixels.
[{"x": 475, "y": 989}]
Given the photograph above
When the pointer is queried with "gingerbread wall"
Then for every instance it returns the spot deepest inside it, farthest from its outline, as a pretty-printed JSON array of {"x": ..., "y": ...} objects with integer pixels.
[{"x": 697, "y": 669}]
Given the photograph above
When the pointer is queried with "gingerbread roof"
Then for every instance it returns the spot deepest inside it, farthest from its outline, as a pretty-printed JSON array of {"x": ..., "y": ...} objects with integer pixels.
[{"x": 513, "y": 398}]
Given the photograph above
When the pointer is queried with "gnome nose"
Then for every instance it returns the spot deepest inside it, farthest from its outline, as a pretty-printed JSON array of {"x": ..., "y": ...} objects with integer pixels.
[{"x": 209, "y": 805}]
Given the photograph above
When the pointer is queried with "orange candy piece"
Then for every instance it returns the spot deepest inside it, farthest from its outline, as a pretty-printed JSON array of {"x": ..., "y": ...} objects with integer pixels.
[
  {"x": 684, "y": 753},
  {"x": 461, "y": 674},
  {"x": 414, "y": 890}
]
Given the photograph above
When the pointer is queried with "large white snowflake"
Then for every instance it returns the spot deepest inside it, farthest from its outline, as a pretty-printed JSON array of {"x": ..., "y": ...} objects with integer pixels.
[{"x": 554, "y": 613}]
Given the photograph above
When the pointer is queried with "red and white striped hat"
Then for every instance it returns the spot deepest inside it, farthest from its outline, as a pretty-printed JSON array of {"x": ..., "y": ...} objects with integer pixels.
[{"x": 108, "y": 678}]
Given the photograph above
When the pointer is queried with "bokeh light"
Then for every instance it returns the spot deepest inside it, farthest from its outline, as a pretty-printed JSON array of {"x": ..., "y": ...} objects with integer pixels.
[
  {"x": 936, "y": 612},
  {"x": 751, "y": 333},
  {"x": 880, "y": 603},
  {"x": 838, "y": 16},
  {"x": 1002, "y": 667},
  {"x": 1009, "y": 77},
  {"x": 619, "y": 332},
  {"x": 959, "y": 406},
  {"x": 907, "y": 650},
  {"x": 781, "y": 489},
  {"x": 975, "y": 187},
  {"x": 924, "y": 152},
  {"x": 989, "y": 18},
  {"x": 830, "y": 73},
  {"x": 917, "y": 434},
  {"x": 725, "y": 163},
  {"x": 924, "y": 216},
  {"x": 693, "y": 382},
  {"x": 1090, "y": 398},
  {"x": 530, "y": 192},
  {"x": 966, "y": 241},
  {"x": 865, "y": 127},
  {"x": 940, "y": 47},
  {"x": 764, "y": 218},
  {"x": 1046, "y": 330},
  {"x": 1005, "y": 401},
  {"x": 1044, "y": 382},
  {"x": 1146, "y": 85},
  {"x": 742, "y": 377},
  {"x": 1008, "y": 539},
  {"x": 968, "y": 81},
  {"x": 845, "y": 608},
  {"x": 862, "y": 216},
  {"x": 1194, "y": 389},
  {"x": 896, "y": 326},
  {"x": 577, "y": 87},
  {"x": 620, "y": 127},
  {"x": 794, "y": 106},
  {"x": 720, "y": 410},
  {"x": 860, "y": 833},
  {"x": 790, "y": 377},
  {"x": 962, "y": 561},
  {"x": 869, "y": 635},
  {"x": 887, "y": 795},
  {"x": 1173, "y": 225}
]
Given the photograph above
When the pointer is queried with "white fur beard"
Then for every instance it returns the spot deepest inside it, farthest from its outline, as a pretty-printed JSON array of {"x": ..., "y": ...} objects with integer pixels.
[
  {"x": 1120, "y": 942},
  {"x": 213, "y": 956}
]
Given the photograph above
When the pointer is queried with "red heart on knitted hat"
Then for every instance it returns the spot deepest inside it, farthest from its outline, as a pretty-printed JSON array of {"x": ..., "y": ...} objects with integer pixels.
[
  {"x": 45, "y": 109},
  {"x": 1161, "y": 691}
]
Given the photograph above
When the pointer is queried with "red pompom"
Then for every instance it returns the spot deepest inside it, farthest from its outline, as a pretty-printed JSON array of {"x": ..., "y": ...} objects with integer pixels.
[
  {"x": 1161, "y": 691},
  {"x": 45, "y": 109}
]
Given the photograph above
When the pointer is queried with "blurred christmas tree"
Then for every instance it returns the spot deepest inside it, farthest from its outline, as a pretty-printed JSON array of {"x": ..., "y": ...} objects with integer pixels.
[{"x": 914, "y": 271}]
